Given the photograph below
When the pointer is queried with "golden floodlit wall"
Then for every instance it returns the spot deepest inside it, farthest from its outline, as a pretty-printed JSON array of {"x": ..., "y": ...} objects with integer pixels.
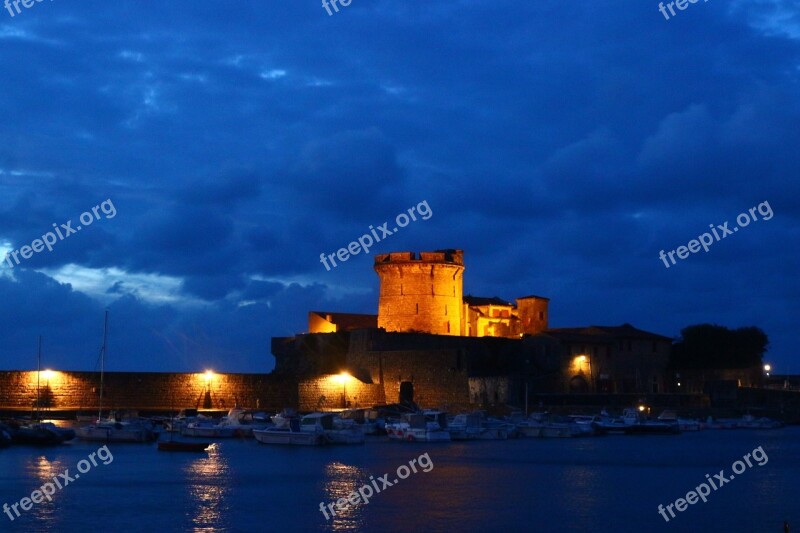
[{"x": 72, "y": 391}]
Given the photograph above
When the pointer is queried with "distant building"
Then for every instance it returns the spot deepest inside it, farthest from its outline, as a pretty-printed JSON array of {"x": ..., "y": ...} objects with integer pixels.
[{"x": 431, "y": 343}]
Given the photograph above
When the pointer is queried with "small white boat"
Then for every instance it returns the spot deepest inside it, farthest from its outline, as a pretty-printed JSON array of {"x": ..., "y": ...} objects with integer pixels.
[
  {"x": 365, "y": 419},
  {"x": 112, "y": 431},
  {"x": 585, "y": 424},
  {"x": 290, "y": 435},
  {"x": 428, "y": 426},
  {"x": 477, "y": 426},
  {"x": 552, "y": 426},
  {"x": 243, "y": 422},
  {"x": 282, "y": 419},
  {"x": 176, "y": 424},
  {"x": 333, "y": 429},
  {"x": 208, "y": 428},
  {"x": 684, "y": 424},
  {"x": 750, "y": 422}
]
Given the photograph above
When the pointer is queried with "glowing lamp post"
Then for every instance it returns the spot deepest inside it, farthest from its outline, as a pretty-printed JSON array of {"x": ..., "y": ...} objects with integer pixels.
[
  {"x": 342, "y": 378},
  {"x": 208, "y": 377},
  {"x": 767, "y": 369},
  {"x": 580, "y": 361}
]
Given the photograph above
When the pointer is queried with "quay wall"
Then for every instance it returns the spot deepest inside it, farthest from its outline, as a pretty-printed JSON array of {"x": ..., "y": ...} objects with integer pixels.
[
  {"x": 80, "y": 391},
  {"x": 336, "y": 392}
]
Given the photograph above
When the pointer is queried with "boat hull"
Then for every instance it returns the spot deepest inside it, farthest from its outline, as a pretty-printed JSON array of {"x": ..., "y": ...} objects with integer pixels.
[
  {"x": 288, "y": 437},
  {"x": 114, "y": 434},
  {"x": 417, "y": 434},
  {"x": 209, "y": 432},
  {"x": 34, "y": 436}
]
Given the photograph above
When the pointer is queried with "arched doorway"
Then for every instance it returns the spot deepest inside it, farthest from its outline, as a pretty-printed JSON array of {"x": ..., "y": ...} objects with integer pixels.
[{"x": 578, "y": 384}]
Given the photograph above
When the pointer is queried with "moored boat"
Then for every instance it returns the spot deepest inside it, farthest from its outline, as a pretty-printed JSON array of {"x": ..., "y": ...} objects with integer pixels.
[
  {"x": 428, "y": 426},
  {"x": 35, "y": 435},
  {"x": 333, "y": 429},
  {"x": 684, "y": 424},
  {"x": 111, "y": 431},
  {"x": 364, "y": 419},
  {"x": 66, "y": 434},
  {"x": 5, "y": 436},
  {"x": 289, "y": 435},
  {"x": 748, "y": 421},
  {"x": 478, "y": 426},
  {"x": 208, "y": 428}
]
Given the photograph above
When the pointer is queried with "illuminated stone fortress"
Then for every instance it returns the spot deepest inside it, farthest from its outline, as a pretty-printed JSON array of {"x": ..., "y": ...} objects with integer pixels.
[
  {"x": 423, "y": 293},
  {"x": 431, "y": 343}
]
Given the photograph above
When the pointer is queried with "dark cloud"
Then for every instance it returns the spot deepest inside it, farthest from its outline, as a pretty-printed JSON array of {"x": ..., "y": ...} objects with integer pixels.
[{"x": 562, "y": 145}]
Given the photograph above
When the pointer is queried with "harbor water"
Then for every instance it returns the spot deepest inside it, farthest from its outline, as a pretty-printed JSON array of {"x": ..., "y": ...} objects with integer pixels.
[{"x": 600, "y": 484}]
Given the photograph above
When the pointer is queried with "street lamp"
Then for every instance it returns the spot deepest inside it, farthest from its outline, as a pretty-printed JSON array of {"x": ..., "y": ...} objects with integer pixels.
[
  {"x": 342, "y": 378},
  {"x": 767, "y": 369}
]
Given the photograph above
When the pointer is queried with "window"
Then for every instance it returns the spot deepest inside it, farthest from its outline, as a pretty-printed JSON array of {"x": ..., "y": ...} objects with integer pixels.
[
  {"x": 541, "y": 315},
  {"x": 448, "y": 327},
  {"x": 445, "y": 309},
  {"x": 417, "y": 308}
]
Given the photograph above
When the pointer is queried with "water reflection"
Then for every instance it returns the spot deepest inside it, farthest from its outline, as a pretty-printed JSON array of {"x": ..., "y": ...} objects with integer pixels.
[
  {"x": 207, "y": 485},
  {"x": 44, "y": 470},
  {"x": 341, "y": 481}
]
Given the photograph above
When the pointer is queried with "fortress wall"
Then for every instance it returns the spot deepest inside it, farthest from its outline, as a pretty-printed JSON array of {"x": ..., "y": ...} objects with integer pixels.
[
  {"x": 145, "y": 391},
  {"x": 336, "y": 392}
]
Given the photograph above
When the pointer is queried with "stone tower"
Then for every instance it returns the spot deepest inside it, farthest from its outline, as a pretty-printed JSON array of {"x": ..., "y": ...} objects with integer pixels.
[
  {"x": 421, "y": 293},
  {"x": 532, "y": 312}
]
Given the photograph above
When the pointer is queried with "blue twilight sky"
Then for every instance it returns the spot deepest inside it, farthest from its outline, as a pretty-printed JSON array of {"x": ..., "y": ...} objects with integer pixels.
[{"x": 561, "y": 145}]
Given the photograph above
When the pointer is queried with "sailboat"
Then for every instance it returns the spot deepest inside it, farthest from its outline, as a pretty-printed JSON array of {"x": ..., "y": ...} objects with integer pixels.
[
  {"x": 111, "y": 430},
  {"x": 179, "y": 445},
  {"x": 38, "y": 432}
]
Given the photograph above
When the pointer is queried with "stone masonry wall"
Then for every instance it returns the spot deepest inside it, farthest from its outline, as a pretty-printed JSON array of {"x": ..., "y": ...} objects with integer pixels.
[
  {"x": 145, "y": 391},
  {"x": 335, "y": 392}
]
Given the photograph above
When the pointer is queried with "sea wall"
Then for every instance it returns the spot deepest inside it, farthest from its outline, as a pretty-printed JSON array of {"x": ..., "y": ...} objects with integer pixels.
[
  {"x": 337, "y": 391},
  {"x": 149, "y": 391}
]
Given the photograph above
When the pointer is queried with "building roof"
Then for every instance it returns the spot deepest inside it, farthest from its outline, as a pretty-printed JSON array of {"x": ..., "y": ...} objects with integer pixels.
[
  {"x": 349, "y": 321},
  {"x": 531, "y": 296},
  {"x": 623, "y": 331},
  {"x": 478, "y": 300}
]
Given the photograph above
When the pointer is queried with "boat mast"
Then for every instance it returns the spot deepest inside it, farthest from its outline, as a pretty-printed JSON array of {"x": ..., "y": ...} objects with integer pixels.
[
  {"x": 38, "y": 373},
  {"x": 102, "y": 364}
]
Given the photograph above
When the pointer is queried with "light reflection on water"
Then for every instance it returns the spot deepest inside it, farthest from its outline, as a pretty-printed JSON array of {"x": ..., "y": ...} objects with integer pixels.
[
  {"x": 44, "y": 470},
  {"x": 207, "y": 480},
  {"x": 341, "y": 480}
]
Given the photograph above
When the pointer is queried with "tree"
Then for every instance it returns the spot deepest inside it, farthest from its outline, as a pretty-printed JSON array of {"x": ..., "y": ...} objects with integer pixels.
[{"x": 708, "y": 346}]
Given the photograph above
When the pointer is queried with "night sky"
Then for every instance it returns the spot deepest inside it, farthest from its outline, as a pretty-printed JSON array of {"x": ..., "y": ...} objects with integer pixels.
[{"x": 561, "y": 145}]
